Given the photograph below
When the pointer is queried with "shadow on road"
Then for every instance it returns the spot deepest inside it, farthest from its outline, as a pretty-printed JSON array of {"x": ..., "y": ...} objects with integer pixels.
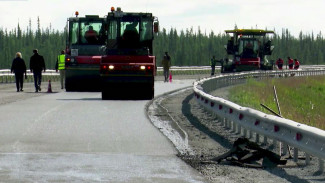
[{"x": 186, "y": 110}]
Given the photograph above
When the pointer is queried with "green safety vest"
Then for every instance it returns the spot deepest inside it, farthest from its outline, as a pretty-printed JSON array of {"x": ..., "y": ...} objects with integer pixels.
[
  {"x": 213, "y": 62},
  {"x": 61, "y": 62}
]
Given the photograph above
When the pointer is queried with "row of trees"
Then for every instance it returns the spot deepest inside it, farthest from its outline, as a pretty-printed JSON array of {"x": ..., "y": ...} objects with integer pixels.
[
  {"x": 190, "y": 48},
  {"x": 48, "y": 41},
  {"x": 187, "y": 48}
]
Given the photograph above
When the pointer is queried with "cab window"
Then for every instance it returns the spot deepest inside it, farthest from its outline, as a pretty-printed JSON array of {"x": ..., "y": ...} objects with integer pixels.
[
  {"x": 74, "y": 32},
  {"x": 146, "y": 30},
  {"x": 91, "y": 32}
]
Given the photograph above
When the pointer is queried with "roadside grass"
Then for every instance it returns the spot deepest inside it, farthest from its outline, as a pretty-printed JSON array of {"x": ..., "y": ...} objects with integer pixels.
[{"x": 301, "y": 99}]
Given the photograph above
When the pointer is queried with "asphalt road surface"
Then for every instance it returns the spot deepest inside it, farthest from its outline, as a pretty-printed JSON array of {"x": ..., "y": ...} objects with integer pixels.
[{"x": 77, "y": 137}]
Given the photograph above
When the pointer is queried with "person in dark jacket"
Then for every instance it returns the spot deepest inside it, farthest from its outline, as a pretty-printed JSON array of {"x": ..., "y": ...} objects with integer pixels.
[
  {"x": 37, "y": 64},
  {"x": 297, "y": 64},
  {"x": 279, "y": 63},
  {"x": 213, "y": 63},
  {"x": 166, "y": 65},
  {"x": 290, "y": 63},
  {"x": 19, "y": 68}
]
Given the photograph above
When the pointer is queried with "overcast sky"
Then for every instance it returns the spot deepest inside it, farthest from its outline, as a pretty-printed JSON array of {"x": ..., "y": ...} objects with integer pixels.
[{"x": 215, "y": 15}]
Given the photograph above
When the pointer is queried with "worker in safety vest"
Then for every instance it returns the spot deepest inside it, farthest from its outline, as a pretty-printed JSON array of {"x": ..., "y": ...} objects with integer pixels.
[
  {"x": 279, "y": 63},
  {"x": 60, "y": 65},
  {"x": 297, "y": 64},
  {"x": 213, "y": 62},
  {"x": 290, "y": 63}
]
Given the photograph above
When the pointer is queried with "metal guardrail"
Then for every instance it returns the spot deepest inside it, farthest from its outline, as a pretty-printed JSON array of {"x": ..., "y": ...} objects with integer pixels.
[
  {"x": 302, "y": 137},
  {"x": 182, "y": 68},
  {"x": 188, "y": 70}
]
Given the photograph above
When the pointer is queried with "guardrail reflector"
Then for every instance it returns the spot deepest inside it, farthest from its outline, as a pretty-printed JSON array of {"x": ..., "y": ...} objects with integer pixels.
[
  {"x": 257, "y": 122},
  {"x": 241, "y": 116},
  {"x": 298, "y": 136}
]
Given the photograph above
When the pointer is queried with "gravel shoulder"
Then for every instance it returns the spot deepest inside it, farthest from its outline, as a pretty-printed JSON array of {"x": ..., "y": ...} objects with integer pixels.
[{"x": 199, "y": 136}]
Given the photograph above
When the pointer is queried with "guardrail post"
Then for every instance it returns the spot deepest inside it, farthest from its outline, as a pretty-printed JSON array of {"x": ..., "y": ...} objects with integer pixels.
[
  {"x": 245, "y": 132},
  {"x": 285, "y": 149},
  {"x": 229, "y": 124},
  {"x": 295, "y": 154},
  {"x": 233, "y": 126},
  {"x": 250, "y": 134},
  {"x": 321, "y": 164},
  {"x": 280, "y": 148},
  {"x": 307, "y": 159},
  {"x": 265, "y": 140},
  {"x": 274, "y": 143},
  {"x": 223, "y": 123},
  {"x": 239, "y": 129},
  {"x": 257, "y": 140}
]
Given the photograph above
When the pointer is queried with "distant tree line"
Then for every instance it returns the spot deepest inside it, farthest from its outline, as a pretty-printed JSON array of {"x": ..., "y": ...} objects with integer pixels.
[
  {"x": 48, "y": 41},
  {"x": 196, "y": 48},
  {"x": 187, "y": 48}
]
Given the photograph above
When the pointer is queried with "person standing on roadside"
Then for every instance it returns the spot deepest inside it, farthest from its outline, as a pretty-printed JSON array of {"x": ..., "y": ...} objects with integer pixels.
[
  {"x": 60, "y": 65},
  {"x": 37, "y": 64},
  {"x": 19, "y": 68},
  {"x": 279, "y": 63},
  {"x": 290, "y": 63},
  {"x": 297, "y": 64},
  {"x": 213, "y": 62},
  {"x": 166, "y": 65}
]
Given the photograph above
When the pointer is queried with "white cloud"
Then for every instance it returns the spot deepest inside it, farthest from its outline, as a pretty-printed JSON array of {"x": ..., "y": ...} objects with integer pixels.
[{"x": 216, "y": 15}]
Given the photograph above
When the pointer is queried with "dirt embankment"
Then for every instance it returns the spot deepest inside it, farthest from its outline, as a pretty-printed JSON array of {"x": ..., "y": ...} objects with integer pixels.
[{"x": 202, "y": 137}]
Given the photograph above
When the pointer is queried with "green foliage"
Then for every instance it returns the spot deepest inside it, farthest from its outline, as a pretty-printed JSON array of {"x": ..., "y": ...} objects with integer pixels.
[
  {"x": 189, "y": 48},
  {"x": 301, "y": 99},
  {"x": 48, "y": 42},
  {"x": 186, "y": 47}
]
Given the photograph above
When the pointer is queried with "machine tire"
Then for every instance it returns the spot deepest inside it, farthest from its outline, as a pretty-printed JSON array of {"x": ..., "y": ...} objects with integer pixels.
[
  {"x": 68, "y": 86},
  {"x": 151, "y": 90},
  {"x": 105, "y": 95},
  {"x": 149, "y": 94}
]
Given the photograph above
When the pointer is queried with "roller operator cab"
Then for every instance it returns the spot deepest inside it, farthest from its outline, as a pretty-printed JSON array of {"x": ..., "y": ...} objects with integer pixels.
[
  {"x": 128, "y": 68},
  {"x": 85, "y": 46},
  {"x": 247, "y": 50}
]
